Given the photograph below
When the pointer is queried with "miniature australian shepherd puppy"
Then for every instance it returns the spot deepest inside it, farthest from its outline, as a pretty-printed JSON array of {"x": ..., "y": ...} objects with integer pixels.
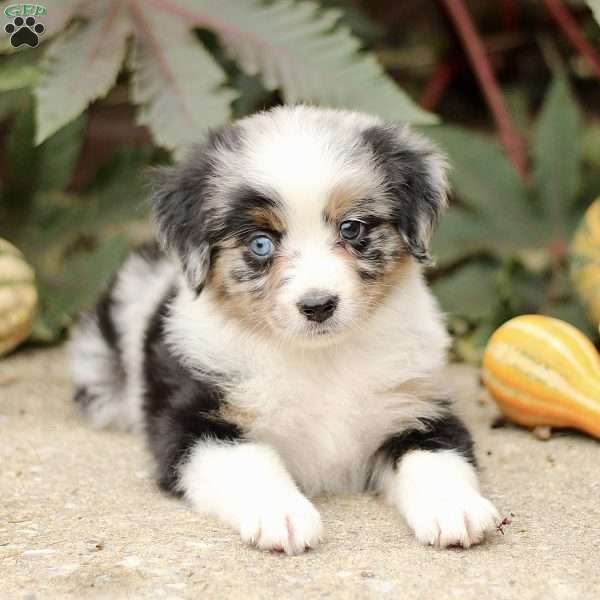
[{"x": 282, "y": 341}]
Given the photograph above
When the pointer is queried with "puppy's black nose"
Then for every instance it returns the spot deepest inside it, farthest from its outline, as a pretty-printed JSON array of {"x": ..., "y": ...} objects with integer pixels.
[{"x": 318, "y": 307}]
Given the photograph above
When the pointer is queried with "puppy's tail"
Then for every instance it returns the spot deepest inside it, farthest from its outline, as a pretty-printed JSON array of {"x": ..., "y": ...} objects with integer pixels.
[
  {"x": 106, "y": 351},
  {"x": 96, "y": 366}
]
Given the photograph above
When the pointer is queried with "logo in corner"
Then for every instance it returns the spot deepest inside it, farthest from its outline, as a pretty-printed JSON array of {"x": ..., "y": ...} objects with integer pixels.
[{"x": 25, "y": 28}]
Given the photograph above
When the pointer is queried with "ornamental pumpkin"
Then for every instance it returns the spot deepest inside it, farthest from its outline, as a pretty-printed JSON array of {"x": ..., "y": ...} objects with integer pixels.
[
  {"x": 18, "y": 297},
  {"x": 585, "y": 261},
  {"x": 542, "y": 371}
]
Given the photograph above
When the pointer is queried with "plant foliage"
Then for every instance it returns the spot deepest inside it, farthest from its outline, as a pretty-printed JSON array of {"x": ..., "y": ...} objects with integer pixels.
[
  {"x": 74, "y": 242},
  {"x": 503, "y": 246},
  {"x": 180, "y": 89}
]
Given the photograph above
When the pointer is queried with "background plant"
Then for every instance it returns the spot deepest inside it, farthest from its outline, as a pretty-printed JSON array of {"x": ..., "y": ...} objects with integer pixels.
[
  {"x": 504, "y": 250},
  {"x": 72, "y": 159}
]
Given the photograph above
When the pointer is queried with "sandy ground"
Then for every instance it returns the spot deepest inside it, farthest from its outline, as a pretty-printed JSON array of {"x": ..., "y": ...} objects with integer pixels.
[{"x": 80, "y": 518}]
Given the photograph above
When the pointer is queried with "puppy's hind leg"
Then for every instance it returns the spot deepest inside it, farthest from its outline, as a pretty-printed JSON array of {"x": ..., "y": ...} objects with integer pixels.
[{"x": 429, "y": 475}]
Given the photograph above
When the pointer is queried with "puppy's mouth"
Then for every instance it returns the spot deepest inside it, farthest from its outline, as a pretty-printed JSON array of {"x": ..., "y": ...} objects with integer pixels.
[
  {"x": 321, "y": 329},
  {"x": 310, "y": 333},
  {"x": 323, "y": 333}
]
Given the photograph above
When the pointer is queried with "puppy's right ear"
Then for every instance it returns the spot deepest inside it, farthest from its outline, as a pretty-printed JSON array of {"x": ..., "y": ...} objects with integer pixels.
[
  {"x": 182, "y": 199},
  {"x": 178, "y": 205}
]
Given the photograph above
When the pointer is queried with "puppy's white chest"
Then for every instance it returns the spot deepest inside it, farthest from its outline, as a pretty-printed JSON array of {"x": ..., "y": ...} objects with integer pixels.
[
  {"x": 325, "y": 426},
  {"x": 321, "y": 438}
]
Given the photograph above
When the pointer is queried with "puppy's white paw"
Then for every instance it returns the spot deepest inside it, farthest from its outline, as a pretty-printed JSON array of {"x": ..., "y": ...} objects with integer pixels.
[
  {"x": 459, "y": 518},
  {"x": 288, "y": 523}
]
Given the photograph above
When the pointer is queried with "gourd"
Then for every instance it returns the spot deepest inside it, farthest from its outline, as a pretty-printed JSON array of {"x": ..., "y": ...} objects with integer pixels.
[
  {"x": 542, "y": 371},
  {"x": 18, "y": 297},
  {"x": 585, "y": 261}
]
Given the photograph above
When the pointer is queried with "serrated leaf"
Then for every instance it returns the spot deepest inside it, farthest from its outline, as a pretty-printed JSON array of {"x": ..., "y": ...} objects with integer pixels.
[
  {"x": 176, "y": 81},
  {"x": 82, "y": 65},
  {"x": 556, "y": 153},
  {"x": 296, "y": 47},
  {"x": 485, "y": 182}
]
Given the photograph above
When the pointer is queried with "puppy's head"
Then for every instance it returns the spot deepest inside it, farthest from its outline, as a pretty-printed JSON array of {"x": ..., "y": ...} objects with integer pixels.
[{"x": 300, "y": 220}]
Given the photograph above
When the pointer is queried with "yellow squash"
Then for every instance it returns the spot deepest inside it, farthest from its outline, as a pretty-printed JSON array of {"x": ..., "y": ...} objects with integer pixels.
[
  {"x": 543, "y": 371},
  {"x": 585, "y": 261},
  {"x": 18, "y": 297}
]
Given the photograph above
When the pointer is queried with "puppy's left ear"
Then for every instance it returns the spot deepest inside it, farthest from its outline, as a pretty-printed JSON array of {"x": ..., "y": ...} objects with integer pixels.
[{"x": 415, "y": 180}]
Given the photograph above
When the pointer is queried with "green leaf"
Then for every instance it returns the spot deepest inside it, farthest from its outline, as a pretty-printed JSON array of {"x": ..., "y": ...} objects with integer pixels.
[
  {"x": 296, "y": 47},
  {"x": 252, "y": 95},
  {"x": 22, "y": 160},
  {"x": 12, "y": 102},
  {"x": 17, "y": 76},
  {"x": 59, "y": 156},
  {"x": 556, "y": 153},
  {"x": 469, "y": 292},
  {"x": 82, "y": 65},
  {"x": 74, "y": 287},
  {"x": 459, "y": 234},
  {"x": 497, "y": 214},
  {"x": 176, "y": 81}
]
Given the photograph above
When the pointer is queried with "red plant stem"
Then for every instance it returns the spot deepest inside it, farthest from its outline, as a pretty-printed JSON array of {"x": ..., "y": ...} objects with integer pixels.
[
  {"x": 475, "y": 51},
  {"x": 443, "y": 74},
  {"x": 559, "y": 12}
]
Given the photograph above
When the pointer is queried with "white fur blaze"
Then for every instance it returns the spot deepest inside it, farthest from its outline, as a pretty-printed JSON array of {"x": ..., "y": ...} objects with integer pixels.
[
  {"x": 246, "y": 486},
  {"x": 438, "y": 495}
]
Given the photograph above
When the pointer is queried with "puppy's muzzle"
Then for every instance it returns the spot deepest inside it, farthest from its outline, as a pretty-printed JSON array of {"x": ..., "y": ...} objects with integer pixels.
[{"x": 318, "y": 306}]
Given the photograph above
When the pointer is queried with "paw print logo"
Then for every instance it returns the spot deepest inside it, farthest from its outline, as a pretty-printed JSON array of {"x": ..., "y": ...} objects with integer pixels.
[{"x": 24, "y": 31}]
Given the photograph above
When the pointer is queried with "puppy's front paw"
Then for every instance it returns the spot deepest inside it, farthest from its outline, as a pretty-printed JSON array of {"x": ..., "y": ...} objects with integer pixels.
[
  {"x": 459, "y": 518},
  {"x": 289, "y": 524}
]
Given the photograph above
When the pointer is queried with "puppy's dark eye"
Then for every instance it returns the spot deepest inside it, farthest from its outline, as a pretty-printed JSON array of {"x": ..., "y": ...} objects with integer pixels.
[
  {"x": 351, "y": 230},
  {"x": 261, "y": 246}
]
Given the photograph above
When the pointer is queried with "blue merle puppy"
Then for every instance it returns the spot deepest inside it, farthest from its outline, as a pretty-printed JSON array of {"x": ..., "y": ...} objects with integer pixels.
[{"x": 282, "y": 342}]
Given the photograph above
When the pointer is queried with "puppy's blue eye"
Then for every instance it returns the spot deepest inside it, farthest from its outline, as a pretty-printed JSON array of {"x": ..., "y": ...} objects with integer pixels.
[
  {"x": 262, "y": 246},
  {"x": 351, "y": 230}
]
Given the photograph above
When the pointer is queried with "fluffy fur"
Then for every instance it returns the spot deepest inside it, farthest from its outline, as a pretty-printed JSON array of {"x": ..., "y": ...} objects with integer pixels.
[{"x": 261, "y": 380}]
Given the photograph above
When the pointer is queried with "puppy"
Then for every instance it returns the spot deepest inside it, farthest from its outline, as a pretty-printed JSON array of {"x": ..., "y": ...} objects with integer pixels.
[{"x": 283, "y": 343}]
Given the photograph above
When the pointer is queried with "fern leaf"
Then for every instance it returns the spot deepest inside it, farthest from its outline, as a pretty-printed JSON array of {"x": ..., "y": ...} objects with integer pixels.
[
  {"x": 81, "y": 66},
  {"x": 175, "y": 80},
  {"x": 295, "y": 46}
]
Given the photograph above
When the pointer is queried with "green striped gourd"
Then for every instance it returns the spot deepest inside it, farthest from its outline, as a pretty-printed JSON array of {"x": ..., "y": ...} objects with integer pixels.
[
  {"x": 585, "y": 261},
  {"x": 18, "y": 297}
]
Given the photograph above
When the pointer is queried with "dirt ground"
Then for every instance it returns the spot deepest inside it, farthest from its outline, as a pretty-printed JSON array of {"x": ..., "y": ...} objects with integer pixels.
[{"x": 80, "y": 517}]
